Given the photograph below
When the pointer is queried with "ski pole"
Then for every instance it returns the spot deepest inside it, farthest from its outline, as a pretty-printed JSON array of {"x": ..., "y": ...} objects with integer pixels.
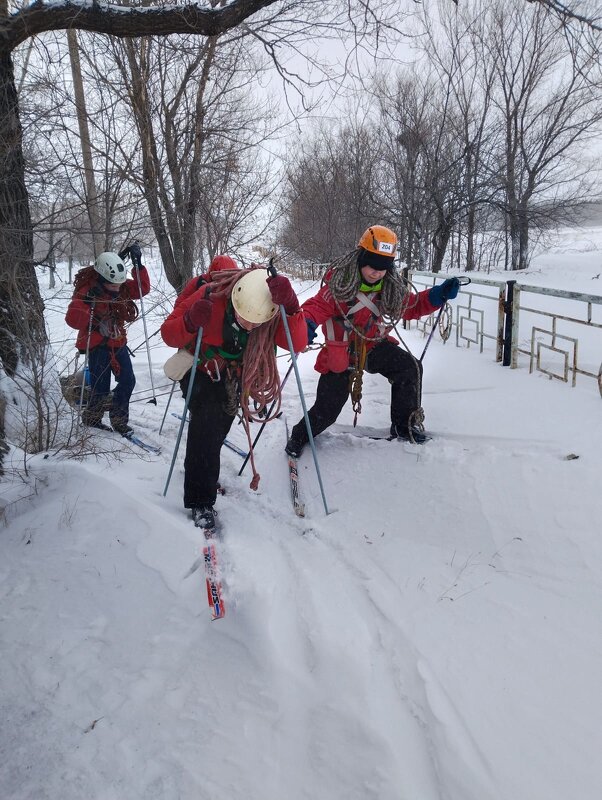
[
  {"x": 227, "y": 443},
  {"x": 173, "y": 386},
  {"x": 197, "y": 348},
  {"x": 464, "y": 281},
  {"x": 272, "y": 270},
  {"x": 81, "y": 394},
  {"x": 263, "y": 424},
  {"x": 137, "y": 262}
]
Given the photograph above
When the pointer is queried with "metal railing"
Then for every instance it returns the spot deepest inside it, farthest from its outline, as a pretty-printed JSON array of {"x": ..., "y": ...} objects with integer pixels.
[
  {"x": 549, "y": 333},
  {"x": 479, "y": 315},
  {"x": 549, "y": 337}
]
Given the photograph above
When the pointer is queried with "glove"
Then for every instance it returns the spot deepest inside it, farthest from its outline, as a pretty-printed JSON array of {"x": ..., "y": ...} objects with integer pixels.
[
  {"x": 312, "y": 330},
  {"x": 283, "y": 294},
  {"x": 198, "y": 315},
  {"x": 447, "y": 290},
  {"x": 136, "y": 254}
]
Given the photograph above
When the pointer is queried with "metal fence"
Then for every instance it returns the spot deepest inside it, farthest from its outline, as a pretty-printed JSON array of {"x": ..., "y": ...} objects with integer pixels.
[{"x": 559, "y": 332}]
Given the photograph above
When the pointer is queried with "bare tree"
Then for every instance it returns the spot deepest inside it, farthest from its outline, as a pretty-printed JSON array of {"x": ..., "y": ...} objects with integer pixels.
[
  {"x": 22, "y": 332},
  {"x": 84, "y": 135},
  {"x": 584, "y": 14},
  {"x": 199, "y": 127},
  {"x": 455, "y": 49},
  {"x": 326, "y": 201},
  {"x": 546, "y": 92}
]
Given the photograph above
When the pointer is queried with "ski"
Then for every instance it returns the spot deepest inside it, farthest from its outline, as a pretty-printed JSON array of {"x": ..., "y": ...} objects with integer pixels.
[
  {"x": 235, "y": 448},
  {"x": 427, "y": 438},
  {"x": 293, "y": 474},
  {"x": 375, "y": 434},
  {"x": 212, "y": 577},
  {"x": 140, "y": 443}
]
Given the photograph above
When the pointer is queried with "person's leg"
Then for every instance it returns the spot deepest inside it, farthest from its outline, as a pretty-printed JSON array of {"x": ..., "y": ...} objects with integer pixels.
[
  {"x": 126, "y": 380},
  {"x": 100, "y": 384},
  {"x": 331, "y": 396},
  {"x": 404, "y": 373},
  {"x": 207, "y": 428}
]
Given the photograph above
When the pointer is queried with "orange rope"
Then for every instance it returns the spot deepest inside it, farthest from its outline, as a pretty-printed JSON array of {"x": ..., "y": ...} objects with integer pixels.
[{"x": 260, "y": 380}]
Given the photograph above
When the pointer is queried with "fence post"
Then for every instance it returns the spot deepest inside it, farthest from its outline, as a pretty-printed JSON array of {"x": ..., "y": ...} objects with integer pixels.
[
  {"x": 509, "y": 323},
  {"x": 515, "y": 318}
]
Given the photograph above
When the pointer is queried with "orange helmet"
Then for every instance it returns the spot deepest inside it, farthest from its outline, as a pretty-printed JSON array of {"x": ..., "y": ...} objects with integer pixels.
[{"x": 378, "y": 239}]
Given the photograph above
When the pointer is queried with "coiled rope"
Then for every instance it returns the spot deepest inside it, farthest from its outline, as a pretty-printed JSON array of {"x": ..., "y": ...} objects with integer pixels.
[
  {"x": 397, "y": 296},
  {"x": 259, "y": 378}
]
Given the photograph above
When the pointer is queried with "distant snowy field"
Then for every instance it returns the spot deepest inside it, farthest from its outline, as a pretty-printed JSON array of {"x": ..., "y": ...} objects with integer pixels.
[{"x": 437, "y": 636}]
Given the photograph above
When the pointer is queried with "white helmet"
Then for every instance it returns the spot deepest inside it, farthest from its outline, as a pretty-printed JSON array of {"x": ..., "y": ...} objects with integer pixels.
[
  {"x": 111, "y": 267},
  {"x": 251, "y": 297}
]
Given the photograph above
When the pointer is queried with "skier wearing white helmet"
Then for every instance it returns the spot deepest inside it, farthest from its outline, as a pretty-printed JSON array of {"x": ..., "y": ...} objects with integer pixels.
[{"x": 101, "y": 307}]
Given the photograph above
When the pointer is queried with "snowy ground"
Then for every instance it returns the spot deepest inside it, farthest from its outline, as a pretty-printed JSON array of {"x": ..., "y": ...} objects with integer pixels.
[{"x": 437, "y": 636}]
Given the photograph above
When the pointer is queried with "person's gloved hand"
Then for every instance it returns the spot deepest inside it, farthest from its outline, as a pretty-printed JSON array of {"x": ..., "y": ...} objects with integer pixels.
[
  {"x": 283, "y": 294},
  {"x": 447, "y": 290},
  {"x": 136, "y": 254},
  {"x": 312, "y": 330},
  {"x": 198, "y": 315}
]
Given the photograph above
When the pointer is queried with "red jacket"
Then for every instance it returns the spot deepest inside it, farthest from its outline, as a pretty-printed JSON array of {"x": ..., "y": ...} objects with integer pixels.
[
  {"x": 321, "y": 308},
  {"x": 175, "y": 333},
  {"x": 111, "y": 311}
]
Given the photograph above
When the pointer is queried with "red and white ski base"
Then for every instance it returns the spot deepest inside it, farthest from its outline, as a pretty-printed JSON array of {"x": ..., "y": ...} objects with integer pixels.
[
  {"x": 212, "y": 578},
  {"x": 293, "y": 474}
]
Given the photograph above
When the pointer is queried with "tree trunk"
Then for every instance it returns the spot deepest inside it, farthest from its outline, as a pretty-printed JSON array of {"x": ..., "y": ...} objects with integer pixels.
[
  {"x": 22, "y": 330},
  {"x": 84, "y": 135},
  {"x": 21, "y": 308},
  {"x": 151, "y": 168},
  {"x": 440, "y": 241},
  {"x": 523, "y": 239},
  {"x": 470, "y": 234}
]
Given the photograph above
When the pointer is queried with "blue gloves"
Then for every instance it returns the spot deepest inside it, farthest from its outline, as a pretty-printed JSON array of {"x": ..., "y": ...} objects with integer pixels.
[
  {"x": 447, "y": 290},
  {"x": 312, "y": 330}
]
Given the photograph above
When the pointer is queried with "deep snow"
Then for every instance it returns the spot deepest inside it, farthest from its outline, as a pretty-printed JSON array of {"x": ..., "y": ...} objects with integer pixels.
[{"x": 438, "y": 636}]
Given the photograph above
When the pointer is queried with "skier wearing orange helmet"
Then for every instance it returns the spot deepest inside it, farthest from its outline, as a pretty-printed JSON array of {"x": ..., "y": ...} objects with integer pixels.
[{"x": 361, "y": 298}]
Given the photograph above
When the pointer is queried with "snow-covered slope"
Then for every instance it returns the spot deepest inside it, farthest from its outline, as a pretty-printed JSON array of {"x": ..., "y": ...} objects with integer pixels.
[{"x": 436, "y": 636}]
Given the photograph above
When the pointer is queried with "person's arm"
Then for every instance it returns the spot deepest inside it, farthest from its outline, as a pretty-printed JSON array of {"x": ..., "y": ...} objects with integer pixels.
[
  {"x": 174, "y": 330},
  {"x": 431, "y": 299},
  {"x": 78, "y": 314},
  {"x": 284, "y": 296},
  {"x": 421, "y": 308},
  {"x": 132, "y": 283}
]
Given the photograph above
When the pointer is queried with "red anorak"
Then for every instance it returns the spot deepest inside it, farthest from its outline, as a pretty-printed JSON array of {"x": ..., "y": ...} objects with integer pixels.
[
  {"x": 322, "y": 307},
  {"x": 114, "y": 309},
  {"x": 175, "y": 333}
]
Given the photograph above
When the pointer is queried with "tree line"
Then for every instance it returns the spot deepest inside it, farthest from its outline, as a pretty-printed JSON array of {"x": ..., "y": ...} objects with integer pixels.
[{"x": 469, "y": 154}]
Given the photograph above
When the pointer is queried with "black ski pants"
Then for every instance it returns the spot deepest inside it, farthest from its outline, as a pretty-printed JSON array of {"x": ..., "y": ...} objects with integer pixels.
[
  {"x": 403, "y": 372},
  {"x": 208, "y": 427}
]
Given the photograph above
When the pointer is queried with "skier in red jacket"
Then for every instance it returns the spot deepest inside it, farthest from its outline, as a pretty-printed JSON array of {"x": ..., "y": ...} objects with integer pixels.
[
  {"x": 361, "y": 298},
  {"x": 238, "y": 311},
  {"x": 101, "y": 307}
]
